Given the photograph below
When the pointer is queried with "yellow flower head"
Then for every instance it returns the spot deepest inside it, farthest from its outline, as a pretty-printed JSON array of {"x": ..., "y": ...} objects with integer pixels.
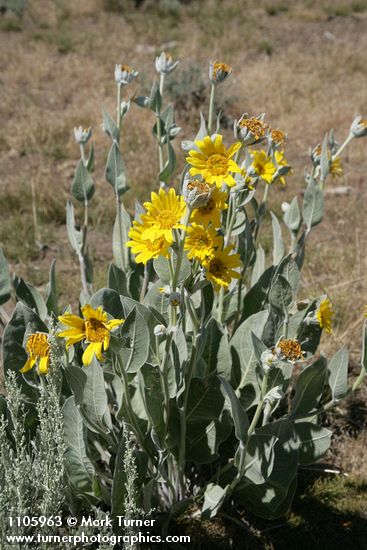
[
  {"x": 291, "y": 349},
  {"x": 325, "y": 314},
  {"x": 336, "y": 169},
  {"x": 200, "y": 242},
  {"x": 263, "y": 165},
  {"x": 210, "y": 213},
  {"x": 38, "y": 349},
  {"x": 94, "y": 328},
  {"x": 213, "y": 162},
  {"x": 164, "y": 214},
  {"x": 146, "y": 249},
  {"x": 220, "y": 268}
]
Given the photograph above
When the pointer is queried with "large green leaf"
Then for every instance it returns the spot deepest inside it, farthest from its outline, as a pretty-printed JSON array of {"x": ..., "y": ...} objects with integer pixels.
[
  {"x": 116, "y": 280},
  {"x": 257, "y": 296},
  {"x": 281, "y": 295},
  {"x": 242, "y": 345},
  {"x": 259, "y": 459},
  {"x": 5, "y": 283},
  {"x": 150, "y": 386},
  {"x": 51, "y": 291},
  {"x": 120, "y": 251},
  {"x": 30, "y": 296},
  {"x": 136, "y": 335},
  {"x": 278, "y": 244},
  {"x": 110, "y": 301},
  {"x": 313, "y": 205},
  {"x": 314, "y": 441},
  {"x": 338, "y": 374},
  {"x": 239, "y": 416},
  {"x": 82, "y": 187},
  {"x": 292, "y": 216},
  {"x": 115, "y": 170},
  {"x": 205, "y": 400},
  {"x": 79, "y": 468},
  {"x": 213, "y": 499},
  {"x": 259, "y": 265},
  {"x": 94, "y": 397},
  {"x": 273, "y": 498},
  {"x": 309, "y": 387}
]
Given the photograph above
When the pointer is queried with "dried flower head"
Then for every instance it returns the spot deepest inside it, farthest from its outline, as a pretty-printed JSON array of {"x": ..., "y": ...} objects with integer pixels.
[
  {"x": 195, "y": 191},
  {"x": 250, "y": 130},
  {"x": 290, "y": 348}
]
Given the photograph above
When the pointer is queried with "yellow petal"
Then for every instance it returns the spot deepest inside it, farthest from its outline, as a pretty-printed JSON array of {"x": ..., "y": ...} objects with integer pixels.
[
  {"x": 94, "y": 348},
  {"x": 72, "y": 321},
  {"x": 43, "y": 365},
  {"x": 29, "y": 364},
  {"x": 114, "y": 323}
]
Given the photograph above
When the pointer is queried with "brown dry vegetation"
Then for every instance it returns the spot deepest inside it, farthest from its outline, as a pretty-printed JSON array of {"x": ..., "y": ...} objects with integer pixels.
[{"x": 303, "y": 62}]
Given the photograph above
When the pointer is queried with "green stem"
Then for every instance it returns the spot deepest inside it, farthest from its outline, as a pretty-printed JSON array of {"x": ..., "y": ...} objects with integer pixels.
[
  {"x": 343, "y": 146},
  {"x": 211, "y": 109},
  {"x": 252, "y": 427},
  {"x": 118, "y": 107},
  {"x": 176, "y": 274},
  {"x": 145, "y": 281}
]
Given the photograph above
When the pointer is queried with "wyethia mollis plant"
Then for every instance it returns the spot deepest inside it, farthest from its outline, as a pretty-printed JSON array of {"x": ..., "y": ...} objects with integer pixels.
[{"x": 197, "y": 347}]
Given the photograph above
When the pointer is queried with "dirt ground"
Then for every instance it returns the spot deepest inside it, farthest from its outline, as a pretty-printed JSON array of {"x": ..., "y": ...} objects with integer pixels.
[{"x": 303, "y": 62}]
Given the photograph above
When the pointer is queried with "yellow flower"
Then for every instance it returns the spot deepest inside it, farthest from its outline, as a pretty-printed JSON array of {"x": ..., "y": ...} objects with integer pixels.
[
  {"x": 38, "y": 349},
  {"x": 164, "y": 214},
  {"x": 212, "y": 210},
  {"x": 291, "y": 349},
  {"x": 200, "y": 242},
  {"x": 263, "y": 165},
  {"x": 325, "y": 314},
  {"x": 220, "y": 268},
  {"x": 336, "y": 169},
  {"x": 95, "y": 329},
  {"x": 145, "y": 249},
  {"x": 214, "y": 162}
]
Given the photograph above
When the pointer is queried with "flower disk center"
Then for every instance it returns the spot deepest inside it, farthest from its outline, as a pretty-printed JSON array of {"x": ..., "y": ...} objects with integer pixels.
[
  {"x": 217, "y": 268},
  {"x": 217, "y": 165},
  {"x": 95, "y": 331},
  {"x": 166, "y": 219}
]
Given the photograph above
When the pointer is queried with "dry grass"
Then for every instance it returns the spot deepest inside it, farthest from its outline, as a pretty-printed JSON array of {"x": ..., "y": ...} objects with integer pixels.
[{"x": 303, "y": 62}]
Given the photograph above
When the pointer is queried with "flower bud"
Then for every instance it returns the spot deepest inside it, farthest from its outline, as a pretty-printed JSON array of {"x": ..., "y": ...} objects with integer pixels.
[
  {"x": 159, "y": 330},
  {"x": 276, "y": 137},
  {"x": 175, "y": 299},
  {"x": 359, "y": 127},
  {"x": 82, "y": 135},
  {"x": 124, "y": 74},
  {"x": 219, "y": 71},
  {"x": 285, "y": 206},
  {"x": 267, "y": 360},
  {"x": 164, "y": 64},
  {"x": 250, "y": 130},
  {"x": 195, "y": 191}
]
